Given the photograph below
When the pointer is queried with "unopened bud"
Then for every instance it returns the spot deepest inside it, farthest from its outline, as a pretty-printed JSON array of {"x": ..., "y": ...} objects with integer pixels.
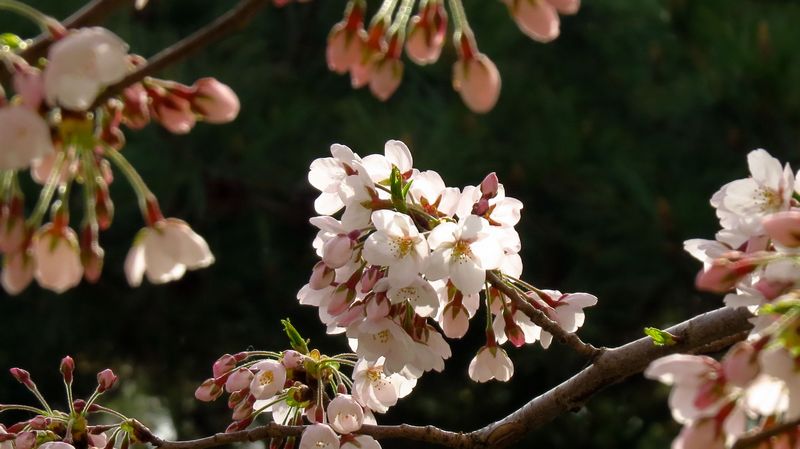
[
  {"x": 481, "y": 207},
  {"x": 723, "y": 275},
  {"x": 321, "y": 276},
  {"x": 337, "y": 251},
  {"x": 244, "y": 408},
  {"x": 223, "y": 365},
  {"x": 238, "y": 380},
  {"x": 292, "y": 359},
  {"x": 239, "y": 425},
  {"x": 208, "y": 391},
  {"x": 370, "y": 278},
  {"x": 22, "y": 377},
  {"x": 215, "y": 102},
  {"x": 67, "y": 367},
  {"x": 78, "y": 405},
  {"x": 489, "y": 185},
  {"x": 25, "y": 440},
  {"x": 106, "y": 379},
  {"x": 39, "y": 422}
]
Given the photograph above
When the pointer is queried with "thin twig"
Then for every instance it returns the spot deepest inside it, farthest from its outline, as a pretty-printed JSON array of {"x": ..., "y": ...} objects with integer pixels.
[
  {"x": 540, "y": 319},
  {"x": 234, "y": 19},
  {"x": 708, "y": 331},
  {"x": 753, "y": 439}
]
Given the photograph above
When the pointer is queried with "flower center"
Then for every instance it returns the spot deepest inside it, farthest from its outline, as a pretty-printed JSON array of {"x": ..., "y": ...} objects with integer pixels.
[
  {"x": 266, "y": 378},
  {"x": 401, "y": 246}
]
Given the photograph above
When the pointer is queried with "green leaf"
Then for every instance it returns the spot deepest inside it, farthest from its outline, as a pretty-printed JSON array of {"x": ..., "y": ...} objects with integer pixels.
[
  {"x": 396, "y": 187},
  {"x": 298, "y": 343},
  {"x": 660, "y": 337}
]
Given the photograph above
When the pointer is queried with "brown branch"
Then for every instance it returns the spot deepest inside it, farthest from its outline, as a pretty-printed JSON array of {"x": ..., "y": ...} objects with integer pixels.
[
  {"x": 753, "y": 439},
  {"x": 236, "y": 18},
  {"x": 710, "y": 331},
  {"x": 610, "y": 367},
  {"x": 92, "y": 13},
  {"x": 540, "y": 319}
]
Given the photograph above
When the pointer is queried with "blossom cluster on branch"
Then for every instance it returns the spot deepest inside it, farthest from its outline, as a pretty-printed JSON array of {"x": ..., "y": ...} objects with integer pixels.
[
  {"x": 754, "y": 259},
  {"x": 52, "y": 128}
]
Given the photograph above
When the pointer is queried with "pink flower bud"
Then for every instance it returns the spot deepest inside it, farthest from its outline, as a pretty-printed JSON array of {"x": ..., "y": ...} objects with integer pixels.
[
  {"x": 13, "y": 233},
  {"x": 239, "y": 380},
  {"x": 22, "y": 377},
  {"x": 174, "y": 113},
  {"x": 513, "y": 332},
  {"x": 78, "y": 405},
  {"x": 106, "y": 379},
  {"x": 29, "y": 84},
  {"x": 67, "y": 367},
  {"x": 17, "y": 272},
  {"x": 25, "y": 440},
  {"x": 345, "y": 42},
  {"x": 784, "y": 227},
  {"x": 208, "y": 391},
  {"x": 91, "y": 253},
  {"x": 771, "y": 289},
  {"x": 321, "y": 276},
  {"x": 426, "y": 34},
  {"x": 224, "y": 364},
  {"x": 489, "y": 185},
  {"x": 536, "y": 18},
  {"x": 135, "y": 101},
  {"x": 340, "y": 299},
  {"x": 39, "y": 422},
  {"x": 478, "y": 81},
  {"x": 566, "y": 6},
  {"x": 481, "y": 207},
  {"x": 214, "y": 101},
  {"x": 337, "y": 251},
  {"x": 386, "y": 76},
  {"x": 740, "y": 364},
  {"x": 373, "y": 48},
  {"x": 239, "y": 425},
  {"x": 5, "y": 436},
  {"x": 370, "y": 277},
  {"x": 723, "y": 275},
  {"x": 454, "y": 321},
  {"x": 292, "y": 359}
]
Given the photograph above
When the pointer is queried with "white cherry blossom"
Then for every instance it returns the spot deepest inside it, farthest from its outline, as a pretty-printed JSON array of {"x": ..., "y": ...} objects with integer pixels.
[
  {"x": 319, "y": 436},
  {"x": 398, "y": 245},
  {"x": 377, "y": 390},
  {"x": 58, "y": 260},
  {"x": 345, "y": 415},
  {"x": 361, "y": 442},
  {"x": 25, "y": 136},
  {"x": 379, "y": 167},
  {"x": 463, "y": 252},
  {"x": 328, "y": 174},
  {"x": 491, "y": 362},
  {"x": 165, "y": 251},
  {"x": 269, "y": 379}
]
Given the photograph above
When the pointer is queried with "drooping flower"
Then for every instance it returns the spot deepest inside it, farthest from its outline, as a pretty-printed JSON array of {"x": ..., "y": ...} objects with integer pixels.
[
  {"x": 25, "y": 136},
  {"x": 477, "y": 80},
  {"x": 377, "y": 390},
  {"x": 491, "y": 362},
  {"x": 698, "y": 386},
  {"x": 536, "y": 18},
  {"x": 81, "y": 65},
  {"x": 164, "y": 251},
  {"x": 58, "y": 258}
]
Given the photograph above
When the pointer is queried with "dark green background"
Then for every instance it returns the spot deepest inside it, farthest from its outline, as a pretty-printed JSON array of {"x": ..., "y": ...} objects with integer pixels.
[{"x": 614, "y": 137}]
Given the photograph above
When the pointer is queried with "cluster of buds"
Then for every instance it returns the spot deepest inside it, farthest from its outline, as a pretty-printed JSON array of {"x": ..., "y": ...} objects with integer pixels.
[
  {"x": 373, "y": 55},
  {"x": 302, "y": 386},
  {"x": 754, "y": 261},
  {"x": 754, "y": 388},
  {"x": 408, "y": 252},
  {"x": 74, "y": 428},
  {"x": 60, "y": 126}
]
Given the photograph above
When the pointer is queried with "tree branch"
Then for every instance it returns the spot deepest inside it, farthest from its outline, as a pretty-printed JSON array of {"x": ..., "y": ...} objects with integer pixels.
[
  {"x": 753, "y": 439},
  {"x": 540, "y": 319},
  {"x": 236, "y": 18},
  {"x": 710, "y": 331}
]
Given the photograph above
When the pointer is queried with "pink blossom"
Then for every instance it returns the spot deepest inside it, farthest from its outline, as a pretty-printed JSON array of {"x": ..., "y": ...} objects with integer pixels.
[
  {"x": 25, "y": 136},
  {"x": 269, "y": 379},
  {"x": 700, "y": 434},
  {"x": 478, "y": 81},
  {"x": 106, "y": 379},
  {"x": 345, "y": 414},
  {"x": 215, "y": 102},
  {"x": 58, "y": 259},
  {"x": 698, "y": 385},
  {"x": 784, "y": 227},
  {"x": 18, "y": 269},
  {"x": 319, "y": 436},
  {"x": 537, "y": 18},
  {"x": 426, "y": 33},
  {"x": 361, "y": 442}
]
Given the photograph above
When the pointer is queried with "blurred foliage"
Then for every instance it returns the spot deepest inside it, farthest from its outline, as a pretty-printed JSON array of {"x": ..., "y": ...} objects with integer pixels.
[{"x": 614, "y": 137}]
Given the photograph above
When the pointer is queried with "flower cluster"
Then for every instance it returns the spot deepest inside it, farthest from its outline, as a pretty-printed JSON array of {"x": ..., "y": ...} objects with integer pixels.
[
  {"x": 373, "y": 56},
  {"x": 83, "y": 425},
  {"x": 64, "y": 126},
  {"x": 753, "y": 259},
  {"x": 408, "y": 252},
  {"x": 301, "y": 385}
]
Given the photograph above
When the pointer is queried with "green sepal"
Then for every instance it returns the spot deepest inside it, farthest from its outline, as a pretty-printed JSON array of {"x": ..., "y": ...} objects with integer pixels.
[
  {"x": 660, "y": 337},
  {"x": 298, "y": 343}
]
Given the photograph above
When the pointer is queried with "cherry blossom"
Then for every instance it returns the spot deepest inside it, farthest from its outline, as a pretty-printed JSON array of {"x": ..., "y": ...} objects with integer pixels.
[
  {"x": 478, "y": 81},
  {"x": 491, "y": 362},
  {"x": 268, "y": 380},
  {"x": 376, "y": 390},
  {"x": 319, "y": 436},
  {"x": 463, "y": 252},
  {"x": 164, "y": 251},
  {"x": 396, "y": 244},
  {"x": 81, "y": 64},
  {"x": 58, "y": 260},
  {"x": 345, "y": 414},
  {"x": 25, "y": 136}
]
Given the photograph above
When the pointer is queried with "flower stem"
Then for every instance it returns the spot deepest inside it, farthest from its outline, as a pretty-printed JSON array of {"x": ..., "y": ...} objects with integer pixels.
[
  {"x": 48, "y": 190},
  {"x": 28, "y": 12},
  {"x": 133, "y": 177}
]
